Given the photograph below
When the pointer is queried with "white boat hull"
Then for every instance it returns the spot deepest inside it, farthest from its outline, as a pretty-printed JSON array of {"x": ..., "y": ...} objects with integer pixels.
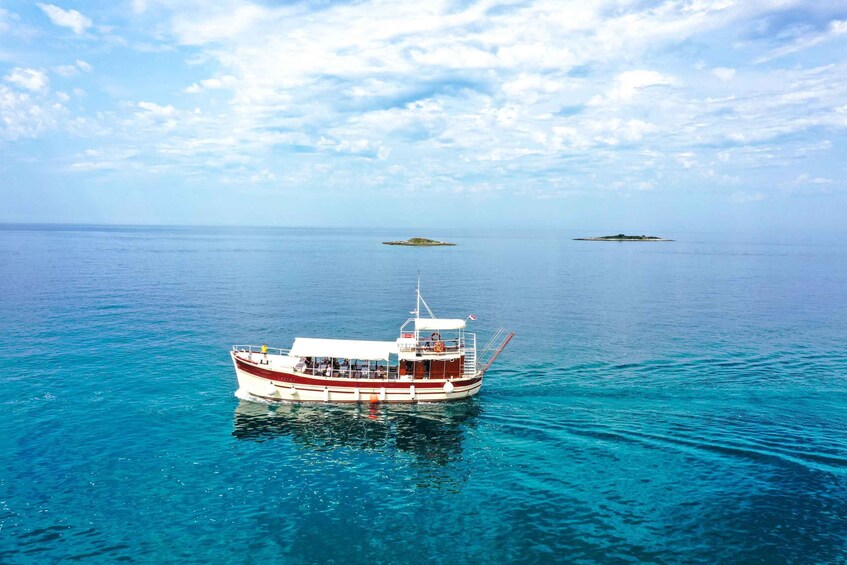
[{"x": 291, "y": 386}]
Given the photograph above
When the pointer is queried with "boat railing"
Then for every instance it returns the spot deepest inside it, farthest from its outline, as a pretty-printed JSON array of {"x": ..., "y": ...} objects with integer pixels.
[
  {"x": 350, "y": 373},
  {"x": 258, "y": 349},
  {"x": 429, "y": 345},
  {"x": 447, "y": 345},
  {"x": 376, "y": 374},
  {"x": 363, "y": 371},
  {"x": 494, "y": 347},
  {"x": 470, "y": 355}
]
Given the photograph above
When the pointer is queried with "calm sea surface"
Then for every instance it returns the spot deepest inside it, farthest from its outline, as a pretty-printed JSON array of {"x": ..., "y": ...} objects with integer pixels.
[{"x": 661, "y": 402}]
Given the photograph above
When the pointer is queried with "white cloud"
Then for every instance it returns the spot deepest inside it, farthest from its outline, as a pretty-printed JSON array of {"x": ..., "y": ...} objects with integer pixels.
[
  {"x": 616, "y": 131},
  {"x": 224, "y": 82},
  {"x": 307, "y": 76},
  {"x": 455, "y": 57},
  {"x": 5, "y": 18},
  {"x": 104, "y": 160},
  {"x": 530, "y": 87},
  {"x": 723, "y": 74},
  {"x": 30, "y": 79},
  {"x": 71, "y": 70},
  {"x": 66, "y": 18},
  {"x": 263, "y": 176},
  {"x": 541, "y": 91},
  {"x": 806, "y": 178},
  {"x": 363, "y": 147},
  {"x": 629, "y": 83},
  {"x": 809, "y": 185},
  {"x": 157, "y": 111},
  {"x": 225, "y": 22},
  {"x": 25, "y": 114},
  {"x": 66, "y": 70},
  {"x": 539, "y": 55},
  {"x": 744, "y": 197},
  {"x": 687, "y": 159},
  {"x": 835, "y": 29}
]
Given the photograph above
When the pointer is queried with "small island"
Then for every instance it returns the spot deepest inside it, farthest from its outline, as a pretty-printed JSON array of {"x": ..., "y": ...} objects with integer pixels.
[
  {"x": 418, "y": 242},
  {"x": 622, "y": 237}
]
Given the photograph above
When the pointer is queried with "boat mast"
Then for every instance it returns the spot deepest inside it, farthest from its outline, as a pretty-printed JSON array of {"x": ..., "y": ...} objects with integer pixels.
[
  {"x": 418, "y": 304},
  {"x": 420, "y": 299}
]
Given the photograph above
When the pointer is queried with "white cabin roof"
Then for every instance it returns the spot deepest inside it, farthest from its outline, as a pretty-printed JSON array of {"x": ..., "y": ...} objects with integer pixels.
[
  {"x": 439, "y": 324},
  {"x": 343, "y": 348}
]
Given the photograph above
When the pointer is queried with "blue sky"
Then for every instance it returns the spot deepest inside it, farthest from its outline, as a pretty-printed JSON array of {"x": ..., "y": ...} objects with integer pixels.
[{"x": 608, "y": 114}]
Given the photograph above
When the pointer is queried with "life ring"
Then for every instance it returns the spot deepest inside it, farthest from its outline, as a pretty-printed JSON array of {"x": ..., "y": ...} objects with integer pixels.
[{"x": 438, "y": 347}]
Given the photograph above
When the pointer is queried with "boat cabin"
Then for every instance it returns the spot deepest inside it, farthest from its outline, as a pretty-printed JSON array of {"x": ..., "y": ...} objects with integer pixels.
[{"x": 431, "y": 348}]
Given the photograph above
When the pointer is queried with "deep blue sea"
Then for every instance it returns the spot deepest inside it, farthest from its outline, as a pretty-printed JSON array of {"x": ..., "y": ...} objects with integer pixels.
[{"x": 680, "y": 402}]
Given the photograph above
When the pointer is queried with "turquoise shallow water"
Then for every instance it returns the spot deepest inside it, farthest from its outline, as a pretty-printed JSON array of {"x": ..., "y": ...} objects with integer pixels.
[{"x": 662, "y": 402}]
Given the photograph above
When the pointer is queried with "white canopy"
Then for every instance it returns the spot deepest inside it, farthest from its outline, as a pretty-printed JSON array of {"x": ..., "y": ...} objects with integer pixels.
[
  {"x": 343, "y": 348},
  {"x": 439, "y": 324}
]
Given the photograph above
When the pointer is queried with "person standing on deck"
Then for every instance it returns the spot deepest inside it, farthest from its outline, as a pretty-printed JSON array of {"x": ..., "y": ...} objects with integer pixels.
[{"x": 265, "y": 351}]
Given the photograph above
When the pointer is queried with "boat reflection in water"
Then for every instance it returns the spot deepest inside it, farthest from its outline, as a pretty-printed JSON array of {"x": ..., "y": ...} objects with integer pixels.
[{"x": 430, "y": 433}]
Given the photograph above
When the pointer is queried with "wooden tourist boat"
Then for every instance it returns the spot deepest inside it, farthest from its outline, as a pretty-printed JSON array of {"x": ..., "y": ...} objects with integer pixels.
[{"x": 433, "y": 360}]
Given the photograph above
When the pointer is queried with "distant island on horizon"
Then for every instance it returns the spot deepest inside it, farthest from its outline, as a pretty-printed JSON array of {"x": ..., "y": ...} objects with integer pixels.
[
  {"x": 419, "y": 242},
  {"x": 623, "y": 237}
]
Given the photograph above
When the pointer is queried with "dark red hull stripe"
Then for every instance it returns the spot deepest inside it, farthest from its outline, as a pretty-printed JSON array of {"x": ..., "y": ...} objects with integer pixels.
[{"x": 280, "y": 377}]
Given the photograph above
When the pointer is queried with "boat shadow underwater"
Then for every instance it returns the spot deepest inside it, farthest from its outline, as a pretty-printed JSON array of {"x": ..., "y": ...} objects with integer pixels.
[{"x": 432, "y": 433}]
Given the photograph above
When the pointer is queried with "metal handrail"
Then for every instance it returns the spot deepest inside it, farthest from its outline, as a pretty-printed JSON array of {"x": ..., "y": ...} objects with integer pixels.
[
  {"x": 345, "y": 373},
  {"x": 491, "y": 342},
  {"x": 494, "y": 347},
  {"x": 258, "y": 349},
  {"x": 470, "y": 356},
  {"x": 450, "y": 346}
]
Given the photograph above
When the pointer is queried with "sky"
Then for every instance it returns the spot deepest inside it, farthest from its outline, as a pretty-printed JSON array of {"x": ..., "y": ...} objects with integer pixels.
[{"x": 590, "y": 114}]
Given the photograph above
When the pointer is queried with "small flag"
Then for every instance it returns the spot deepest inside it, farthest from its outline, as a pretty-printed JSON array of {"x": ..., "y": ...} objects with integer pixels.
[{"x": 472, "y": 317}]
